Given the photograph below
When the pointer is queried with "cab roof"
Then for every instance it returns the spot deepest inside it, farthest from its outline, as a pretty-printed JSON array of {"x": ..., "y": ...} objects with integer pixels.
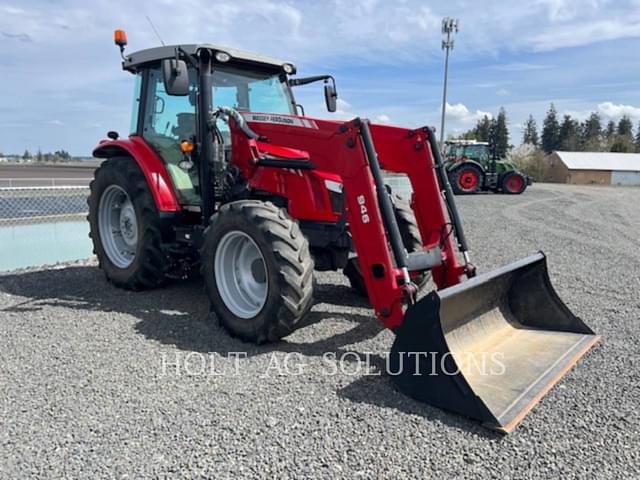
[
  {"x": 135, "y": 59},
  {"x": 465, "y": 142}
]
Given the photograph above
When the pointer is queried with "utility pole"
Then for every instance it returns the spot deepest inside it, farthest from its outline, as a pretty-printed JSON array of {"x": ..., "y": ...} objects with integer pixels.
[{"x": 449, "y": 27}]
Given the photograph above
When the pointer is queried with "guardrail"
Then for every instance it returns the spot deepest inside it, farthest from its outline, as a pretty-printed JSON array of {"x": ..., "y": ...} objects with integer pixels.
[{"x": 20, "y": 205}]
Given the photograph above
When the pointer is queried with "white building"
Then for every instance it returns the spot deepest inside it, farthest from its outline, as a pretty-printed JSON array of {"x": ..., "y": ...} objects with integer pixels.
[{"x": 603, "y": 168}]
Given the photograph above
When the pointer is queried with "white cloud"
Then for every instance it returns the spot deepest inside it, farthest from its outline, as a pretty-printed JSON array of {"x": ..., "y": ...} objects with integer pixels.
[
  {"x": 8, "y": 9},
  {"x": 520, "y": 67},
  {"x": 613, "y": 110},
  {"x": 382, "y": 118},
  {"x": 343, "y": 110},
  {"x": 563, "y": 10},
  {"x": 585, "y": 33},
  {"x": 460, "y": 114}
]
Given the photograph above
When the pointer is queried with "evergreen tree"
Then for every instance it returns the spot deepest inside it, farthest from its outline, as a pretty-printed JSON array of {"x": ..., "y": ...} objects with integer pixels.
[
  {"x": 499, "y": 134},
  {"x": 26, "y": 155},
  {"x": 483, "y": 128},
  {"x": 611, "y": 129},
  {"x": 592, "y": 133},
  {"x": 621, "y": 137},
  {"x": 569, "y": 136},
  {"x": 468, "y": 135},
  {"x": 637, "y": 142},
  {"x": 551, "y": 131},
  {"x": 39, "y": 157},
  {"x": 530, "y": 134},
  {"x": 61, "y": 155},
  {"x": 625, "y": 127}
]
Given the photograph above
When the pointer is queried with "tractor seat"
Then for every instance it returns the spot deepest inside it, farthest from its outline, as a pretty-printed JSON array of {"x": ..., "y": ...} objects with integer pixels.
[{"x": 186, "y": 127}]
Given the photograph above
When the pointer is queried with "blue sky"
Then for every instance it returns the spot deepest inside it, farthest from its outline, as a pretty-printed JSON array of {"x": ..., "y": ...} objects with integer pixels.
[{"x": 62, "y": 86}]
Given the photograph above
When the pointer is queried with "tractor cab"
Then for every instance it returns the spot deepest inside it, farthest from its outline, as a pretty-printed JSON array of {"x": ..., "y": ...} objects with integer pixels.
[
  {"x": 459, "y": 150},
  {"x": 168, "y": 105},
  {"x": 166, "y": 118}
]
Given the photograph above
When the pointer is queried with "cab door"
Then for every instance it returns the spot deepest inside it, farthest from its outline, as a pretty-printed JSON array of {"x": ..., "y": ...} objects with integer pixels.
[{"x": 168, "y": 120}]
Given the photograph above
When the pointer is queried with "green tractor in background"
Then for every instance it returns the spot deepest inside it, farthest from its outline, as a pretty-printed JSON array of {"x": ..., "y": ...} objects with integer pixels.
[{"x": 472, "y": 167}]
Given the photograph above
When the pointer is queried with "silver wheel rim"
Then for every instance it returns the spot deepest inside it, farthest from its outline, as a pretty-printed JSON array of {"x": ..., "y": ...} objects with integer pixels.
[
  {"x": 118, "y": 226},
  {"x": 241, "y": 274}
]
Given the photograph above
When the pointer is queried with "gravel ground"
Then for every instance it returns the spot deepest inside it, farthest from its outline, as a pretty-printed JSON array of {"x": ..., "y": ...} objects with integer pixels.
[{"x": 98, "y": 382}]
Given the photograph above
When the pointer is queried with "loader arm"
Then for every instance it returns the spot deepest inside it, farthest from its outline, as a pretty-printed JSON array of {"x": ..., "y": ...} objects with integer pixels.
[
  {"x": 348, "y": 150},
  {"x": 511, "y": 314}
]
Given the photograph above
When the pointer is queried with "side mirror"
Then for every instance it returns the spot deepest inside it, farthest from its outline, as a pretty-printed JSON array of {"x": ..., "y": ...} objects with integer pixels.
[
  {"x": 175, "y": 76},
  {"x": 330, "y": 97}
]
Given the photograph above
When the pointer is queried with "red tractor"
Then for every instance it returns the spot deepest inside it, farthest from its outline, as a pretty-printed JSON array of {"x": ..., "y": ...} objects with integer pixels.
[{"x": 220, "y": 172}]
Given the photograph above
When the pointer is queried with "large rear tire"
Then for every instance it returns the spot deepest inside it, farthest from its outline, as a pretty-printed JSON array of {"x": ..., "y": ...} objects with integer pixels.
[
  {"x": 125, "y": 227},
  {"x": 410, "y": 239},
  {"x": 465, "y": 179},
  {"x": 257, "y": 269}
]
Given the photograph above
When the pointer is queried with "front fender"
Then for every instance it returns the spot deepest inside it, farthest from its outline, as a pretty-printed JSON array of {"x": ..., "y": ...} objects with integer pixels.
[{"x": 150, "y": 163}]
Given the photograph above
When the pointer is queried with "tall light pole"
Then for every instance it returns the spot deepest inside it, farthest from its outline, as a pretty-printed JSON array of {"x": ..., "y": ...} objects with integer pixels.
[{"x": 449, "y": 27}]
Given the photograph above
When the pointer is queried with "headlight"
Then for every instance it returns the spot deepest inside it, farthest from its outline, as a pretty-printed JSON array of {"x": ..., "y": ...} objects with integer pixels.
[{"x": 223, "y": 57}]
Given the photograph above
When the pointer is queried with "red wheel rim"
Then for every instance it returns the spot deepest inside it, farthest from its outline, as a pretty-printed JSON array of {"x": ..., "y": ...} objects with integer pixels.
[
  {"x": 468, "y": 180},
  {"x": 514, "y": 184}
]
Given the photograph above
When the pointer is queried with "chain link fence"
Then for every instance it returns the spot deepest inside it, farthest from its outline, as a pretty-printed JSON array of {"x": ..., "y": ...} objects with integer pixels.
[
  {"x": 43, "y": 182},
  {"x": 20, "y": 205},
  {"x": 43, "y": 226}
]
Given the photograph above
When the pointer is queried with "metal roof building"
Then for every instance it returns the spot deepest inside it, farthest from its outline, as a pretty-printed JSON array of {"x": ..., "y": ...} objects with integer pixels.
[{"x": 603, "y": 168}]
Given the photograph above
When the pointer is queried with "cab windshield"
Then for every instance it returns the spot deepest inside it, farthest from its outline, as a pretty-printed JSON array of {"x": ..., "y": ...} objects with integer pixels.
[
  {"x": 476, "y": 151},
  {"x": 251, "y": 91}
]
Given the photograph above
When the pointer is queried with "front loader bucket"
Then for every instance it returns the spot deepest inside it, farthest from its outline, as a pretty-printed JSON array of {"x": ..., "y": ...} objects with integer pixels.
[{"x": 491, "y": 347}]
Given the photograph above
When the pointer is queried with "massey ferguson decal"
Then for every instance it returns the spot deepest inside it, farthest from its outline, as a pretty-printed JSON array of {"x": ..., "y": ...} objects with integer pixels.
[{"x": 279, "y": 119}]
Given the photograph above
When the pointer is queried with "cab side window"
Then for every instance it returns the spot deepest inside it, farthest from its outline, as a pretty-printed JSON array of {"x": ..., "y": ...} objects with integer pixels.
[
  {"x": 168, "y": 120},
  {"x": 166, "y": 116}
]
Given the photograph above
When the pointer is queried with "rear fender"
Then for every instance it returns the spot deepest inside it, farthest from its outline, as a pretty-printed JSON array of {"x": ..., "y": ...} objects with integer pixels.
[
  {"x": 151, "y": 165},
  {"x": 469, "y": 162}
]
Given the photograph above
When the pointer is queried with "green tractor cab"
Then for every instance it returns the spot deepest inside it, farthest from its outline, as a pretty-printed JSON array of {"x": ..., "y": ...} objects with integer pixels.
[{"x": 472, "y": 168}]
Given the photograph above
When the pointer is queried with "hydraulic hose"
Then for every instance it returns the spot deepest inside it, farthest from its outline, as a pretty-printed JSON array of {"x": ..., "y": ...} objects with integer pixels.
[{"x": 240, "y": 122}]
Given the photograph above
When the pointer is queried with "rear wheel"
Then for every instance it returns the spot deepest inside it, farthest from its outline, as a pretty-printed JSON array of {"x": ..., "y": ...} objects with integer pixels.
[
  {"x": 513, "y": 183},
  {"x": 124, "y": 226},
  {"x": 466, "y": 179},
  {"x": 257, "y": 269},
  {"x": 410, "y": 238}
]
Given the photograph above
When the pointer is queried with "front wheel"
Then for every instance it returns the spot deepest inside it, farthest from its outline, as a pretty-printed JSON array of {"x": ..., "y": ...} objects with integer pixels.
[
  {"x": 513, "y": 183},
  {"x": 257, "y": 269}
]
